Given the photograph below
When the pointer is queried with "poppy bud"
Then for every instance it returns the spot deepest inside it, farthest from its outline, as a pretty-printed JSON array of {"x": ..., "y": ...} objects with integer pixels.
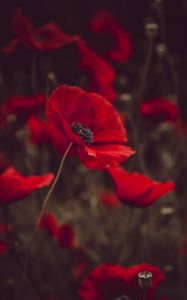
[
  {"x": 161, "y": 50},
  {"x": 145, "y": 280},
  {"x": 125, "y": 97},
  {"x": 151, "y": 29},
  {"x": 158, "y": 1}
]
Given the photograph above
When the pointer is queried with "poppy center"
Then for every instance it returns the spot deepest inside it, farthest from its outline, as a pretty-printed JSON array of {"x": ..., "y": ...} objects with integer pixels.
[
  {"x": 83, "y": 131},
  {"x": 123, "y": 297}
]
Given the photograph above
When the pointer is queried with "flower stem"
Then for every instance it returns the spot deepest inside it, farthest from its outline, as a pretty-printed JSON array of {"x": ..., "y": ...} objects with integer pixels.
[
  {"x": 144, "y": 295},
  {"x": 145, "y": 69},
  {"x": 51, "y": 79},
  {"x": 34, "y": 73},
  {"x": 44, "y": 206},
  {"x": 13, "y": 253},
  {"x": 164, "y": 39}
]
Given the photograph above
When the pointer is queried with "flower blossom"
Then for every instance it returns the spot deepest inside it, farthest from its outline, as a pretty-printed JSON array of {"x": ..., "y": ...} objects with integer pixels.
[
  {"x": 91, "y": 124},
  {"x": 137, "y": 189}
]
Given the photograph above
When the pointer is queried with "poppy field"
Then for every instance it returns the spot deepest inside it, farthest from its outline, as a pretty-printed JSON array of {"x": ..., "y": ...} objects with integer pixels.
[{"x": 93, "y": 151}]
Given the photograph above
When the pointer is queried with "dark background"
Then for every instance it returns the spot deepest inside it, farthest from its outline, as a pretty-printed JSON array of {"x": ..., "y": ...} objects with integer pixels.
[{"x": 72, "y": 16}]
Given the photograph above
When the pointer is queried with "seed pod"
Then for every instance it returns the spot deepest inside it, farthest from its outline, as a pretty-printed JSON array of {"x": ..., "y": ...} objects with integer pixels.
[{"x": 145, "y": 280}]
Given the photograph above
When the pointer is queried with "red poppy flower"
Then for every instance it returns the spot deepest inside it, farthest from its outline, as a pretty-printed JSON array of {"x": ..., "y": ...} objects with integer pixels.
[
  {"x": 181, "y": 128},
  {"x": 109, "y": 282},
  {"x": 80, "y": 262},
  {"x": 42, "y": 132},
  {"x": 64, "y": 233},
  {"x": 89, "y": 122},
  {"x": 101, "y": 74},
  {"x": 109, "y": 199},
  {"x": 136, "y": 189},
  {"x": 118, "y": 42},
  {"x": 2, "y": 228},
  {"x": 14, "y": 186},
  {"x": 21, "y": 106},
  {"x": 48, "y": 222},
  {"x": 38, "y": 130},
  {"x": 48, "y": 37},
  {"x": 160, "y": 110},
  {"x": 3, "y": 247},
  {"x": 4, "y": 161},
  {"x": 66, "y": 236}
]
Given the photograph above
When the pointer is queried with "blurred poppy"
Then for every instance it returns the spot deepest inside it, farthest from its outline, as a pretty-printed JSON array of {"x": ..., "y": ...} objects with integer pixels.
[
  {"x": 80, "y": 262},
  {"x": 21, "y": 106},
  {"x": 109, "y": 199},
  {"x": 45, "y": 38},
  {"x": 101, "y": 74},
  {"x": 4, "y": 161},
  {"x": 64, "y": 233},
  {"x": 38, "y": 130},
  {"x": 66, "y": 236},
  {"x": 160, "y": 110},
  {"x": 3, "y": 244},
  {"x": 14, "y": 186},
  {"x": 89, "y": 122},
  {"x": 109, "y": 282},
  {"x": 3, "y": 247},
  {"x": 116, "y": 42},
  {"x": 48, "y": 222},
  {"x": 136, "y": 189},
  {"x": 43, "y": 132}
]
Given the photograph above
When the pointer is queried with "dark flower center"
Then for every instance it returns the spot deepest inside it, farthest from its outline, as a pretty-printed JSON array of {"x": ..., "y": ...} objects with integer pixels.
[
  {"x": 83, "y": 131},
  {"x": 123, "y": 297}
]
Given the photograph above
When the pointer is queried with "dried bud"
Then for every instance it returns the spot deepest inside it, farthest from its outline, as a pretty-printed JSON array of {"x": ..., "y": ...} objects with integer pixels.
[
  {"x": 151, "y": 29},
  {"x": 125, "y": 97},
  {"x": 167, "y": 210},
  {"x": 52, "y": 77},
  {"x": 158, "y": 1},
  {"x": 161, "y": 50},
  {"x": 145, "y": 280}
]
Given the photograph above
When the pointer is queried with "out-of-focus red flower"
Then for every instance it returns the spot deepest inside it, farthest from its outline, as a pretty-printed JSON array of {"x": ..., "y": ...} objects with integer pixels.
[
  {"x": 45, "y": 38},
  {"x": 109, "y": 199},
  {"x": 3, "y": 247},
  {"x": 80, "y": 262},
  {"x": 181, "y": 128},
  {"x": 3, "y": 244},
  {"x": 108, "y": 282},
  {"x": 64, "y": 233},
  {"x": 89, "y": 122},
  {"x": 160, "y": 110},
  {"x": 21, "y": 106},
  {"x": 4, "y": 161},
  {"x": 116, "y": 41},
  {"x": 14, "y": 186},
  {"x": 182, "y": 250},
  {"x": 43, "y": 132},
  {"x": 38, "y": 130},
  {"x": 101, "y": 74},
  {"x": 48, "y": 222},
  {"x": 136, "y": 189},
  {"x": 66, "y": 236},
  {"x": 3, "y": 230}
]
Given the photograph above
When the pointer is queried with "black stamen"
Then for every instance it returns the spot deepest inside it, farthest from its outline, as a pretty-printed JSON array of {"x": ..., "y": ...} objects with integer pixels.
[{"x": 83, "y": 131}]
